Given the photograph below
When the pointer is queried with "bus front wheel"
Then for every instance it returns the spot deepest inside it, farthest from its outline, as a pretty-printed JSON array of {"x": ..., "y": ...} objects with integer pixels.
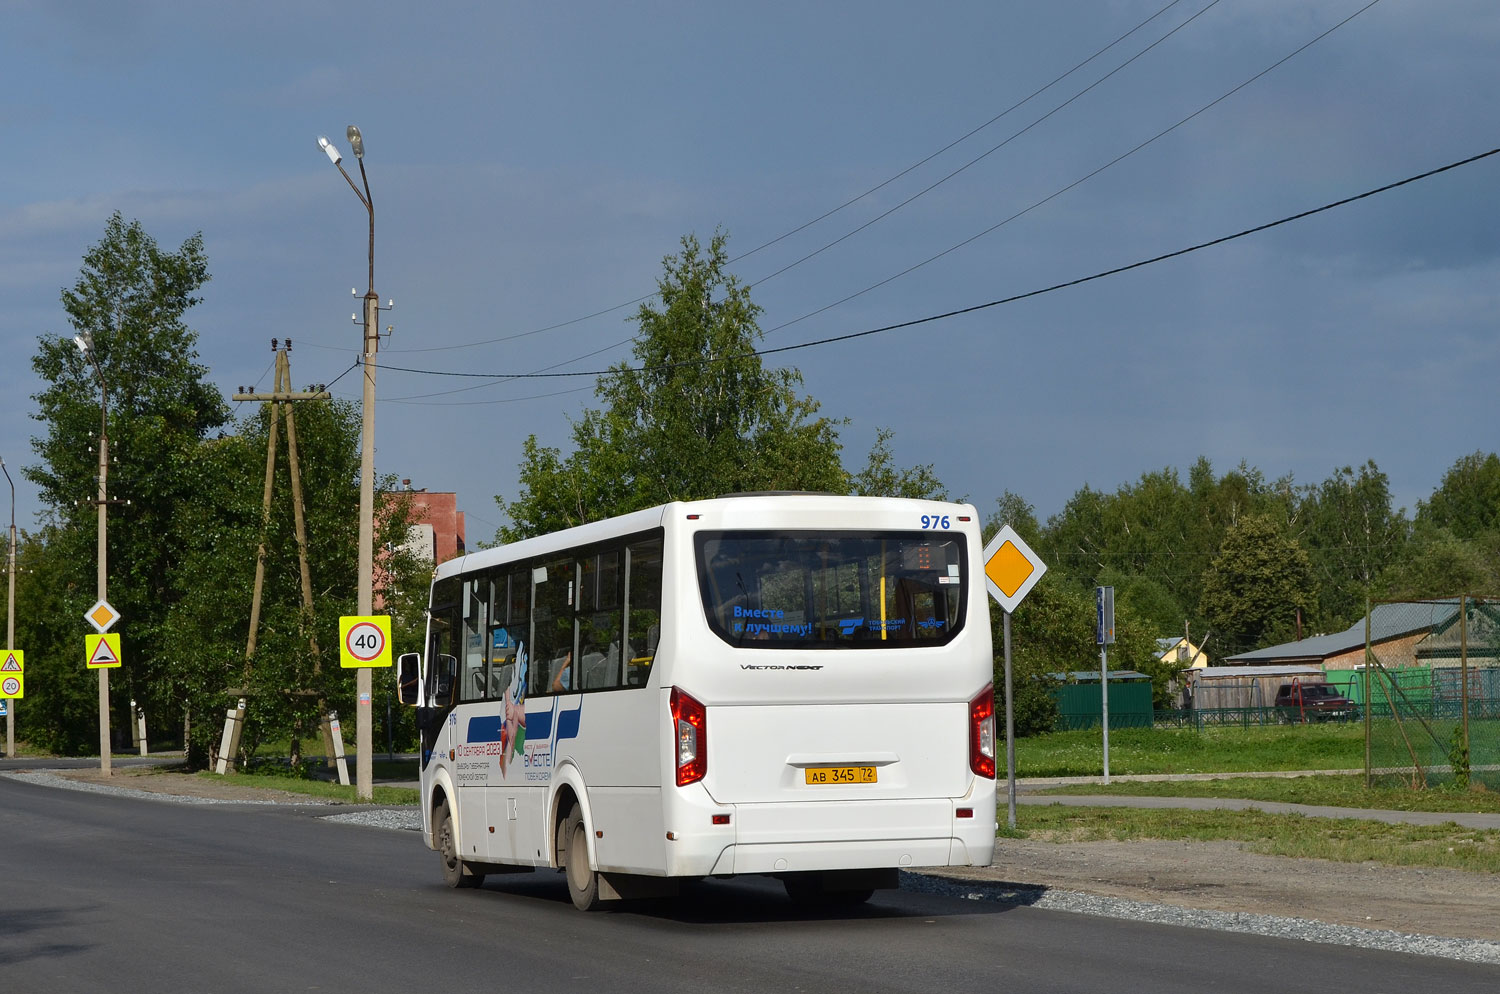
[
  {"x": 583, "y": 882},
  {"x": 455, "y": 873}
]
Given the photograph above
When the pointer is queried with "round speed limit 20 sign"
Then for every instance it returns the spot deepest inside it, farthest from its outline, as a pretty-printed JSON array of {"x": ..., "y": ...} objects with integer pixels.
[{"x": 365, "y": 641}]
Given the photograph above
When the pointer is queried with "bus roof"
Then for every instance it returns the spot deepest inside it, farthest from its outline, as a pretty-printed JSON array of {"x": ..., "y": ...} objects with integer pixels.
[{"x": 640, "y": 521}]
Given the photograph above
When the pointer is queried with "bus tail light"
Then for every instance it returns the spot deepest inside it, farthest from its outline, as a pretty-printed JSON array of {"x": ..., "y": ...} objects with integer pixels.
[
  {"x": 690, "y": 729},
  {"x": 982, "y": 733}
]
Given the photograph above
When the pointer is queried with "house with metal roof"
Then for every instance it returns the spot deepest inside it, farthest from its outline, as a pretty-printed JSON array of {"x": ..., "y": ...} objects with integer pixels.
[
  {"x": 1396, "y": 629},
  {"x": 1177, "y": 649}
]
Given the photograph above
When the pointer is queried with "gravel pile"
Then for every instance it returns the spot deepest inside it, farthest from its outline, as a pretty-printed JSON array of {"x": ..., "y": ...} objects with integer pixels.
[
  {"x": 1468, "y": 950},
  {"x": 403, "y": 819}
]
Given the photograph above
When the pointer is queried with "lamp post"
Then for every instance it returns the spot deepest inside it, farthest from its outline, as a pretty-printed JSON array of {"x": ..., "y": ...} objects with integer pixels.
[
  {"x": 362, "y": 731},
  {"x": 10, "y": 611},
  {"x": 85, "y": 343}
]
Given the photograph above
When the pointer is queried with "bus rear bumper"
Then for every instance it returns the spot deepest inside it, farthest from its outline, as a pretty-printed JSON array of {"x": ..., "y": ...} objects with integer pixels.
[
  {"x": 795, "y": 857},
  {"x": 797, "y": 837}
]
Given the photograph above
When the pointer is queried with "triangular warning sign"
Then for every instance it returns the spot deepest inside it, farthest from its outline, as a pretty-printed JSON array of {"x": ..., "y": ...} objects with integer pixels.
[
  {"x": 11, "y": 664},
  {"x": 103, "y": 655}
]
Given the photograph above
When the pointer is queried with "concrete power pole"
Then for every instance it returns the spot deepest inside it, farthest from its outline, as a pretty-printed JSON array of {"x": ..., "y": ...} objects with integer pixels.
[
  {"x": 364, "y": 786},
  {"x": 85, "y": 343},
  {"x": 10, "y": 612}
]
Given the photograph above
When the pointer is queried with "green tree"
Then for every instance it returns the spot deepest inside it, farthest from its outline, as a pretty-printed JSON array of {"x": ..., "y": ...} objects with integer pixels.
[
  {"x": 60, "y": 712},
  {"x": 1014, "y": 510},
  {"x": 1467, "y": 503},
  {"x": 1256, "y": 585},
  {"x": 1351, "y": 535},
  {"x": 130, "y": 300},
  {"x": 1153, "y": 539},
  {"x": 694, "y": 414},
  {"x": 1436, "y": 563},
  {"x": 209, "y": 624},
  {"x": 881, "y": 477}
]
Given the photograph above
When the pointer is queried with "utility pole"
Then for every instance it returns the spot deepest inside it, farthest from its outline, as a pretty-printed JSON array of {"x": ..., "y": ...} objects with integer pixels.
[
  {"x": 281, "y": 394},
  {"x": 364, "y": 786},
  {"x": 85, "y": 343}
]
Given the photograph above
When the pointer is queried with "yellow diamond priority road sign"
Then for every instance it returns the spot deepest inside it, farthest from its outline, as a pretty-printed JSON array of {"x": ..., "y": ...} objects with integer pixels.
[
  {"x": 101, "y": 616},
  {"x": 1011, "y": 569}
]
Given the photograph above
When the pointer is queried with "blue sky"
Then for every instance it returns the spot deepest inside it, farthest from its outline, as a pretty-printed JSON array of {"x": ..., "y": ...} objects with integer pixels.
[{"x": 533, "y": 163}]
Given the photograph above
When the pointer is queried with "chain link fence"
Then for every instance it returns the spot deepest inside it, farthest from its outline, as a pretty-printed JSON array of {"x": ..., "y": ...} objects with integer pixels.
[{"x": 1430, "y": 693}]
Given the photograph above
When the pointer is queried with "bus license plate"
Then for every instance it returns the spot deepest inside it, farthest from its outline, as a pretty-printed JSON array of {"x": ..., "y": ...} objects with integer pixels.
[{"x": 840, "y": 774}]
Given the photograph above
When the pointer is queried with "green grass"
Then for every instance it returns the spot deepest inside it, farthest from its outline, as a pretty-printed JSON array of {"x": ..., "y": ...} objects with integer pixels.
[
  {"x": 317, "y": 788},
  {"x": 1331, "y": 790},
  {"x": 1176, "y": 750},
  {"x": 1342, "y": 839},
  {"x": 398, "y": 769}
]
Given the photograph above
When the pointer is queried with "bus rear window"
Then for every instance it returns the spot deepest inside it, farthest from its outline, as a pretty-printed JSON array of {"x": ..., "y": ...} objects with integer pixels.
[{"x": 832, "y": 590}]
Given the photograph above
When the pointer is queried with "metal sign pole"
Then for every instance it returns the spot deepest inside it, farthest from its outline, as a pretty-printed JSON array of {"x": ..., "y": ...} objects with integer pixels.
[
  {"x": 1010, "y": 730},
  {"x": 1104, "y": 705},
  {"x": 1011, "y": 569},
  {"x": 1104, "y": 599}
]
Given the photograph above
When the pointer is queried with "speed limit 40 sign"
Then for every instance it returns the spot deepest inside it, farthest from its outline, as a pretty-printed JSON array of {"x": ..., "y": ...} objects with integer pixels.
[{"x": 365, "y": 641}]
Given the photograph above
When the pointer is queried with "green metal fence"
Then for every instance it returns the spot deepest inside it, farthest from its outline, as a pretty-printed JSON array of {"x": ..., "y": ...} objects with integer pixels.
[
  {"x": 1079, "y": 705},
  {"x": 1430, "y": 690},
  {"x": 1200, "y": 718}
]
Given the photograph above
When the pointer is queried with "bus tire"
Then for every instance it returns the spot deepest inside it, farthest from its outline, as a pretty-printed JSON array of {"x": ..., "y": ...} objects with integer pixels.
[
  {"x": 455, "y": 872},
  {"x": 583, "y": 882}
]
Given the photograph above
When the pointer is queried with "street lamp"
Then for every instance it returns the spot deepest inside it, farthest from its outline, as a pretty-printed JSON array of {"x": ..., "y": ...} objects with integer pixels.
[
  {"x": 362, "y": 737},
  {"x": 10, "y": 611},
  {"x": 85, "y": 343}
]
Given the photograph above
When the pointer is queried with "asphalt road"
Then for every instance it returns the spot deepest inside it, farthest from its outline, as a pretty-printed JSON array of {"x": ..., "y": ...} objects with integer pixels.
[{"x": 117, "y": 894}]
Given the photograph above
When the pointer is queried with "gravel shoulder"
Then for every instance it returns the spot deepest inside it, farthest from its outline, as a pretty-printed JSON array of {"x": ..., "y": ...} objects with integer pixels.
[
  {"x": 1223, "y": 876},
  {"x": 174, "y": 782}
]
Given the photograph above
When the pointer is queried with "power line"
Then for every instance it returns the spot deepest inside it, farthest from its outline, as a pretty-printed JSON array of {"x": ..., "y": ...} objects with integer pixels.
[
  {"x": 987, "y": 153},
  {"x": 971, "y": 133},
  {"x": 481, "y": 403},
  {"x": 1076, "y": 183},
  {"x": 979, "y": 307},
  {"x": 1081, "y": 180},
  {"x": 853, "y": 200}
]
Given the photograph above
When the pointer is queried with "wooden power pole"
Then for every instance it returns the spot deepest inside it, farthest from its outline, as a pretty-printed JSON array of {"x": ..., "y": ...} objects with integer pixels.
[{"x": 281, "y": 398}]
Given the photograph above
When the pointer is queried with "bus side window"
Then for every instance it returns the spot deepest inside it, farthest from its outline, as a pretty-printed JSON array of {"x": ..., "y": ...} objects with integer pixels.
[
  {"x": 473, "y": 681},
  {"x": 642, "y": 609},
  {"x": 552, "y": 624},
  {"x": 599, "y": 622}
]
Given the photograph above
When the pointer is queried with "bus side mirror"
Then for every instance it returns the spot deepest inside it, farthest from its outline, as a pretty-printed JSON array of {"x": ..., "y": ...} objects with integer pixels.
[
  {"x": 443, "y": 673},
  {"x": 408, "y": 683}
]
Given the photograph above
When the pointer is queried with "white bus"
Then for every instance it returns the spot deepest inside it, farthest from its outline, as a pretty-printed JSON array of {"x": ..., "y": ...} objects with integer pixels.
[{"x": 795, "y": 685}]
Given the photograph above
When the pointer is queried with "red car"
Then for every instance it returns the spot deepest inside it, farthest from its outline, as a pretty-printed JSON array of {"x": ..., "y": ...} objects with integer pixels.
[{"x": 1313, "y": 702}]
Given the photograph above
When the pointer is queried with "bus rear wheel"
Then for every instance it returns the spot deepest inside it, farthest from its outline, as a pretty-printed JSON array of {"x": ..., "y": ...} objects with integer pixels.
[
  {"x": 455, "y": 873},
  {"x": 583, "y": 882}
]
